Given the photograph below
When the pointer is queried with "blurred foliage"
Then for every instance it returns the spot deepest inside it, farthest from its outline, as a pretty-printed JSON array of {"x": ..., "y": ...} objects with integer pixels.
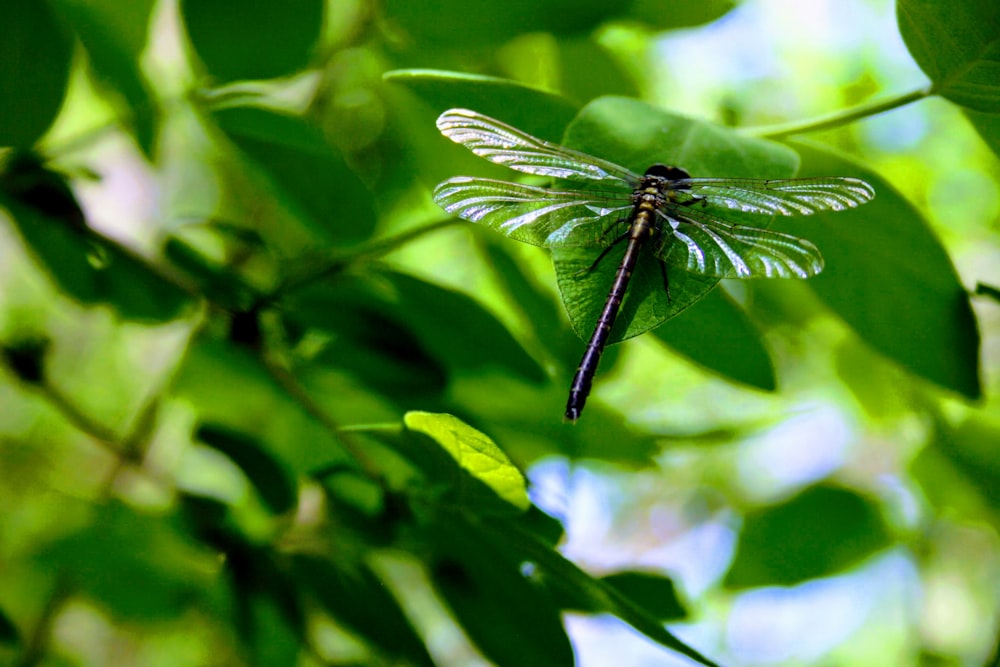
[{"x": 264, "y": 404}]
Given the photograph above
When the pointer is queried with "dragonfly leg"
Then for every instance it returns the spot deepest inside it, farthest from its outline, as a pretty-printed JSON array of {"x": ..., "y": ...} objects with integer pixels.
[
  {"x": 604, "y": 253},
  {"x": 666, "y": 281}
]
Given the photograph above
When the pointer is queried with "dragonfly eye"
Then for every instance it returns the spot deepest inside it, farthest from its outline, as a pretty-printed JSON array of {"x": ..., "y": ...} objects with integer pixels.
[{"x": 668, "y": 172}]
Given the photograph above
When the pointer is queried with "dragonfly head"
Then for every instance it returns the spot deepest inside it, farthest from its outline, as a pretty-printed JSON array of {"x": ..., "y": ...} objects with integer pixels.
[{"x": 667, "y": 172}]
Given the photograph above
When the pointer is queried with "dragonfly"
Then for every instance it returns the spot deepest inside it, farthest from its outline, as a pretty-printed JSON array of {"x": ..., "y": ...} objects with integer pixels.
[{"x": 681, "y": 220}]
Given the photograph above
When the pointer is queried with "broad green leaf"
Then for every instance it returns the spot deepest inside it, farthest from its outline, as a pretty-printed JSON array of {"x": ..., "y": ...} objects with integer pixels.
[
  {"x": 427, "y": 93},
  {"x": 957, "y": 44},
  {"x": 359, "y": 600},
  {"x": 308, "y": 174},
  {"x": 890, "y": 279},
  {"x": 587, "y": 70},
  {"x": 87, "y": 268},
  {"x": 475, "y": 453},
  {"x": 820, "y": 532},
  {"x": 510, "y": 618},
  {"x": 448, "y": 326},
  {"x": 654, "y": 593},
  {"x": 481, "y": 24},
  {"x": 666, "y": 15},
  {"x": 636, "y": 135},
  {"x": 532, "y": 109},
  {"x": 114, "y": 35},
  {"x": 254, "y": 39},
  {"x": 568, "y": 581},
  {"x": 717, "y": 334},
  {"x": 138, "y": 567},
  {"x": 35, "y": 53},
  {"x": 275, "y": 484}
]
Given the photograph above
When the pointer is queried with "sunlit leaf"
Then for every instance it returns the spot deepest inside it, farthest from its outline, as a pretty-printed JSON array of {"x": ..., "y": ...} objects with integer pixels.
[
  {"x": 474, "y": 452},
  {"x": 820, "y": 532},
  {"x": 35, "y": 52},
  {"x": 958, "y": 47}
]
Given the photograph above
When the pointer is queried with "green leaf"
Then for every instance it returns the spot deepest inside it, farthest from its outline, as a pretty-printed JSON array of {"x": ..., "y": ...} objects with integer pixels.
[
  {"x": 114, "y": 35},
  {"x": 35, "y": 54},
  {"x": 475, "y": 453},
  {"x": 359, "y": 600},
  {"x": 587, "y": 70},
  {"x": 890, "y": 279},
  {"x": 275, "y": 484},
  {"x": 138, "y": 567},
  {"x": 822, "y": 531},
  {"x": 637, "y": 135},
  {"x": 233, "y": 389},
  {"x": 481, "y": 24},
  {"x": 510, "y": 618},
  {"x": 958, "y": 46},
  {"x": 654, "y": 593},
  {"x": 308, "y": 174},
  {"x": 569, "y": 582},
  {"x": 254, "y": 39},
  {"x": 8, "y": 631},
  {"x": 449, "y": 326},
  {"x": 971, "y": 447},
  {"x": 665, "y": 15},
  {"x": 85, "y": 266},
  {"x": 416, "y": 98},
  {"x": 717, "y": 334}
]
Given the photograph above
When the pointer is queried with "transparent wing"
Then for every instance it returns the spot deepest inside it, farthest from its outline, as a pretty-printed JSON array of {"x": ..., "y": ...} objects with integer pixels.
[
  {"x": 502, "y": 144},
  {"x": 793, "y": 196},
  {"x": 702, "y": 244},
  {"x": 539, "y": 216}
]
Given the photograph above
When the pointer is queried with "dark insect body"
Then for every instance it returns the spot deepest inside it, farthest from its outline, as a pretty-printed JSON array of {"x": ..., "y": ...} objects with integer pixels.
[{"x": 682, "y": 219}]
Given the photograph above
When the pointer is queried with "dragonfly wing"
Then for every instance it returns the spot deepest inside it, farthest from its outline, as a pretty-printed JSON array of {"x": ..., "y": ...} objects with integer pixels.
[
  {"x": 502, "y": 144},
  {"x": 706, "y": 245},
  {"x": 542, "y": 217},
  {"x": 792, "y": 196}
]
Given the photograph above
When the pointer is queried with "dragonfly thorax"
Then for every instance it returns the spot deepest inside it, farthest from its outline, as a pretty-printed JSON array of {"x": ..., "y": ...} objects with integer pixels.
[{"x": 667, "y": 172}]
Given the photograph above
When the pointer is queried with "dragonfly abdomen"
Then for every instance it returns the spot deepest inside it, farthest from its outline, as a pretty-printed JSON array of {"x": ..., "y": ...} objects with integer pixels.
[{"x": 640, "y": 230}]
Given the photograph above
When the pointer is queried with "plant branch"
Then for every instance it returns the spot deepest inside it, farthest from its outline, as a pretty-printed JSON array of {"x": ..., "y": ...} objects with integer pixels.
[
  {"x": 838, "y": 118},
  {"x": 371, "y": 251}
]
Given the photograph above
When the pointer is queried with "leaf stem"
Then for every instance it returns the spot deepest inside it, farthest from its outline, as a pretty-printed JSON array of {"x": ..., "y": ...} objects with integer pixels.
[
  {"x": 371, "y": 251},
  {"x": 837, "y": 118}
]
